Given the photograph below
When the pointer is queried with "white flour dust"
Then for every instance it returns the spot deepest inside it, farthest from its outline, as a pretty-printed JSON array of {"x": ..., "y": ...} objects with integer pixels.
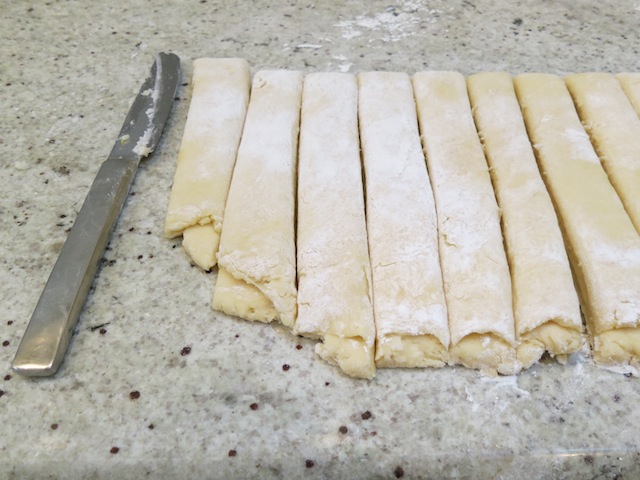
[{"x": 394, "y": 23}]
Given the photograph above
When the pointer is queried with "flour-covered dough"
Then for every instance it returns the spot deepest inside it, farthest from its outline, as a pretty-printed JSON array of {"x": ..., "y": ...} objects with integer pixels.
[
  {"x": 614, "y": 129},
  {"x": 257, "y": 259},
  {"x": 207, "y": 155},
  {"x": 334, "y": 274},
  {"x": 476, "y": 277},
  {"x": 546, "y": 307},
  {"x": 602, "y": 243},
  {"x": 409, "y": 306},
  {"x": 630, "y": 83}
]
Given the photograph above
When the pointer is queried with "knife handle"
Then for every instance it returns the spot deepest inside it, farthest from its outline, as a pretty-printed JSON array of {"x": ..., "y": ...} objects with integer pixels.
[{"x": 47, "y": 336}]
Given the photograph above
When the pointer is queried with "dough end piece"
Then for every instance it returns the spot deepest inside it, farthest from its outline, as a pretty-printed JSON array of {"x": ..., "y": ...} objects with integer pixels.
[
  {"x": 485, "y": 352},
  {"x": 550, "y": 337},
  {"x": 237, "y": 298},
  {"x": 352, "y": 355},
  {"x": 201, "y": 244},
  {"x": 619, "y": 348},
  {"x": 410, "y": 351}
]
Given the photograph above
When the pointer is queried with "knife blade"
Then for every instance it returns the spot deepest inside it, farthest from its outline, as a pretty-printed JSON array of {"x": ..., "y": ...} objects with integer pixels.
[{"x": 47, "y": 336}]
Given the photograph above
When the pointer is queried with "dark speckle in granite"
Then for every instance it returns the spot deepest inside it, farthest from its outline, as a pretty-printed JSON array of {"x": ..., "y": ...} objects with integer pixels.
[
  {"x": 134, "y": 395},
  {"x": 399, "y": 472},
  {"x": 54, "y": 426},
  {"x": 232, "y": 453}
]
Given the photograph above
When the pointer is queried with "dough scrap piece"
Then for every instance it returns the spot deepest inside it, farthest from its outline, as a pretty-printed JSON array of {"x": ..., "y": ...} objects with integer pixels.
[
  {"x": 334, "y": 273},
  {"x": 257, "y": 248},
  {"x": 477, "y": 284},
  {"x": 408, "y": 298},
  {"x": 614, "y": 129},
  {"x": 545, "y": 302},
  {"x": 207, "y": 155},
  {"x": 630, "y": 83},
  {"x": 603, "y": 245}
]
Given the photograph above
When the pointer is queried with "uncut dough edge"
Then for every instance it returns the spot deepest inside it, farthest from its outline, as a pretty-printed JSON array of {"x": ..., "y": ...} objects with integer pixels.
[
  {"x": 334, "y": 276},
  {"x": 207, "y": 155},
  {"x": 605, "y": 251},
  {"x": 614, "y": 129},
  {"x": 257, "y": 247},
  {"x": 546, "y": 306},
  {"x": 463, "y": 201},
  {"x": 408, "y": 298}
]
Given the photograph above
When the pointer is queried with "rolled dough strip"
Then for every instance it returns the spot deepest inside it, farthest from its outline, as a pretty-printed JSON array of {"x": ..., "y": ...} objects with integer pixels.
[
  {"x": 334, "y": 274},
  {"x": 476, "y": 278},
  {"x": 630, "y": 83},
  {"x": 545, "y": 302},
  {"x": 603, "y": 246},
  {"x": 207, "y": 155},
  {"x": 257, "y": 248},
  {"x": 614, "y": 128},
  {"x": 408, "y": 298}
]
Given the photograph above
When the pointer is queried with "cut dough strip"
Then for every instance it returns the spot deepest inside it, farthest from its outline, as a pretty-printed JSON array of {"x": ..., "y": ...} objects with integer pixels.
[
  {"x": 409, "y": 306},
  {"x": 257, "y": 262},
  {"x": 630, "y": 83},
  {"x": 545, "y": 302},
  {"x": 614, "y": 128},
  {"x": 207, "y": 155},
  {"x": 603, "y": 246},
  {"x": 474, "y": 265},
  {"x": 334, "y": 274}
]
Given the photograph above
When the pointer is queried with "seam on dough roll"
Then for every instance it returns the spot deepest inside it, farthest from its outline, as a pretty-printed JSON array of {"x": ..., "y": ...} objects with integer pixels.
[
  {"x": 257, "y": 247},
  {"x": 546, "y": 306},
  {"x": 477, "y": 284},
  {"x": 207, "y": 155},
  {"x": 409, "y": 305}
]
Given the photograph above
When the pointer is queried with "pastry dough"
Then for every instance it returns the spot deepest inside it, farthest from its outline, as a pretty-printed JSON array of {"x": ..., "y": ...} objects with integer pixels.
[
  {"x": 334, "y": 277},
  {"x": 545, "y": 302},
  {"x": 603, "y": 246},
  {"x": 474, "y": 265},
  {"x": 257, "y": 263},
  {"x": 408, "y": 298},
  {"x": 614, "y": 128},
  {"x": 630, "y": 83},
  {"x": 207, "y": 155}
]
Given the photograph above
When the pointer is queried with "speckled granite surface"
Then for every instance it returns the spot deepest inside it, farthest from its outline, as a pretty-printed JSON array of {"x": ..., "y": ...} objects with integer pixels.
[{"x": 157, "y": 384}]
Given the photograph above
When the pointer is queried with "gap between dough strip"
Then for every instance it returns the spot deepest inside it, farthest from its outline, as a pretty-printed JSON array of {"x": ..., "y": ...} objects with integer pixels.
[
  {"x": 477, "y": 284},
  {"x": 603, "y": 245},
  {"x": 409, "y": 306},
  {"x": 614, "y": 129},
  {"x": 546, "y": 306}
]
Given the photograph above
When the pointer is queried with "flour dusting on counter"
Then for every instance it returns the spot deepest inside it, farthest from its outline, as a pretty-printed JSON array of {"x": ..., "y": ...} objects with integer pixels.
[{"x": 394, "y": 23}]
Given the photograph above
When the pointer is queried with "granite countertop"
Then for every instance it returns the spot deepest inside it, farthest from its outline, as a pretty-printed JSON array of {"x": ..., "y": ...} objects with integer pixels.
[{"x": 155, "y": 383}]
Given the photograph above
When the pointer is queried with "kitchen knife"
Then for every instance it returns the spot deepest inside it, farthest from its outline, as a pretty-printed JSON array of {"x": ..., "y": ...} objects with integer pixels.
[{"x": 47, "y": 336}]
